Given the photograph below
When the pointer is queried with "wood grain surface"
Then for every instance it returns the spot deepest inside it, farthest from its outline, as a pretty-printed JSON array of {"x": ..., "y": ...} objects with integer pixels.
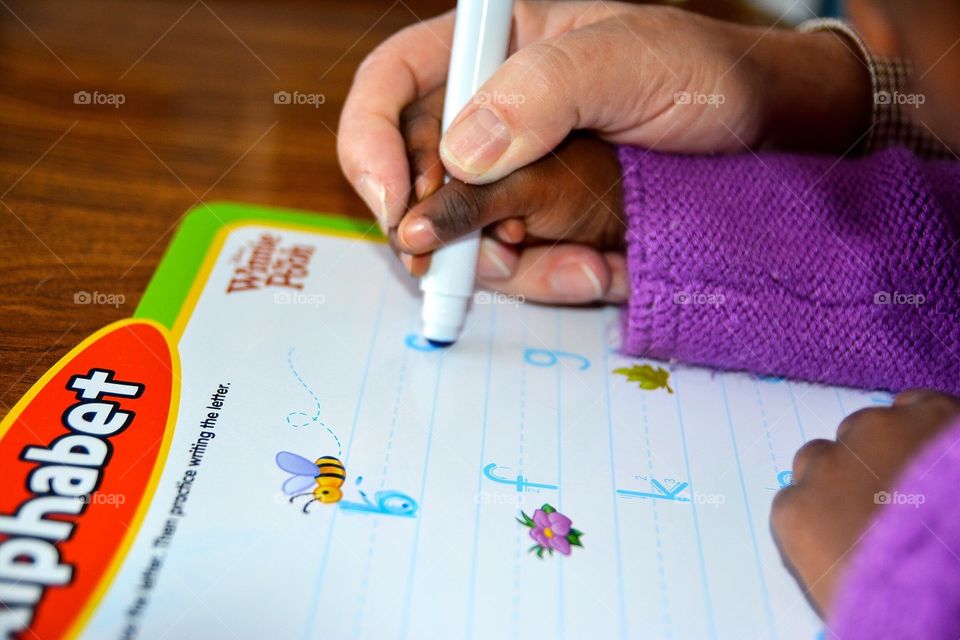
[{"x": 91, "y": 193}]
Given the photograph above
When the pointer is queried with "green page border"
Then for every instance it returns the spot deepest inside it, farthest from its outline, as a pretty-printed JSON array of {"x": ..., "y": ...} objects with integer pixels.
[{"x": 174, "y": 277}]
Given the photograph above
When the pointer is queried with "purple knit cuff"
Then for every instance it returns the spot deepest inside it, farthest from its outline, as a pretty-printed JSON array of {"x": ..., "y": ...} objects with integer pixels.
[
  {"x": 903, "y": 581},
  {"x": 649, "y": 318},
  {"x": 807, "y": 267}
]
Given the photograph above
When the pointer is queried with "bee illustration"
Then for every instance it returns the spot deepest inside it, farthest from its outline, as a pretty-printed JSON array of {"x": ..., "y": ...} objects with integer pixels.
[{"x": 325, "y": 476}]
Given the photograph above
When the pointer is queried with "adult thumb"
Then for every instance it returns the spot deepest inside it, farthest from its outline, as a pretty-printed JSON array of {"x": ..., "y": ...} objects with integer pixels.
[{"x": 540, "y": 94}]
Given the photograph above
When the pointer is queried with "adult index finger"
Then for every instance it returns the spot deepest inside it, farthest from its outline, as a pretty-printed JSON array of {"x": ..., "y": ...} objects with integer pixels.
[{"x": 369, "y": 143}]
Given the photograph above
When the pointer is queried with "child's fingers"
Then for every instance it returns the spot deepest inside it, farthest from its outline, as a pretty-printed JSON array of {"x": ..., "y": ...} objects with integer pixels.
[
  {"x": 511, "y": 230},
  {"x": 420, "y": 125},
  {"x": 456, "y": 209},
  {"x": 370, "y": 146},
  {"x": 563, "y": 274}
]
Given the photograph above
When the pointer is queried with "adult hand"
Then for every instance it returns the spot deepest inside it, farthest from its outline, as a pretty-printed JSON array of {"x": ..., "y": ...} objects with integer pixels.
[{"x": 652, "y": 76}]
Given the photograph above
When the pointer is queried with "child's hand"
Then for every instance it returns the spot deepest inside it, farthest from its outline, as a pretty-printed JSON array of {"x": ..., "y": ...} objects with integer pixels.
[
  {"x": 556, "y": 226},
  {"x": 819, "y": 521},
  {"x": 651, "y": 76}
]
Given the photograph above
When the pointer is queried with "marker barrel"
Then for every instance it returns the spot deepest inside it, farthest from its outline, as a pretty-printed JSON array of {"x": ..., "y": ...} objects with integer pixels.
[{"x": 481, "y": 38}]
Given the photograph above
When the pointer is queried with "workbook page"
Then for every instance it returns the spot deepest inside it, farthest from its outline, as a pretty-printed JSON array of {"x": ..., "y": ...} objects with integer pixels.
[{"x": 333, "y": 476}]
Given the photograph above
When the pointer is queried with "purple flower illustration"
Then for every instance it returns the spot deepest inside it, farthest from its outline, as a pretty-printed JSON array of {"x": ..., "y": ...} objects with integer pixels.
[{"x": 551, "y": 530}]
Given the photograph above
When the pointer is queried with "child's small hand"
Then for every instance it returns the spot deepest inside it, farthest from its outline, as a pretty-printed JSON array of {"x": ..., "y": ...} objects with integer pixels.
[
  {"x": 819, "y": 520},
  {"x": 556, "y": 226}
]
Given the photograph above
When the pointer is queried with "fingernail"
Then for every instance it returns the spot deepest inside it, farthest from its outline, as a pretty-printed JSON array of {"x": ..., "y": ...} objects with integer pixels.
[
  {"x": 417, "y": 234},
  {"x": 375, "y": 195},
  {"x": 493, "y": 267},
  {"x": 420, "y": 187},
  {"x": 475, "y": 143},
  {"x": 619, "y": 287},
  {"x": 576, "y": 280}
]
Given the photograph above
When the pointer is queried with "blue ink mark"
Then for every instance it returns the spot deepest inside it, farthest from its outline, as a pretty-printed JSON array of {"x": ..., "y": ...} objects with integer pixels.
[
  {"x": 548, "y": 358},
  {"x": 771, "y": 379},
  {"x": 785, "y": 478},
  {"x": 308, "y": 419},
  {"x": 520, "y": 482},
  {"x": 415, "y": 342},
  {"x": 881, "y": 399},
  {"x": 391, "y": 503},
  {"x": 662, "y": 493}
]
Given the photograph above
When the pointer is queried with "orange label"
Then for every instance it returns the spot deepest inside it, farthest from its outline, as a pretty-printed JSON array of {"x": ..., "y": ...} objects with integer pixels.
[{"x": 80, "y": 455}]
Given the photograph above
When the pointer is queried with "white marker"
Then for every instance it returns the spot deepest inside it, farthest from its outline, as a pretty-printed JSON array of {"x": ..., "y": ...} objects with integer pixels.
[{"x": 480, "y": 41}]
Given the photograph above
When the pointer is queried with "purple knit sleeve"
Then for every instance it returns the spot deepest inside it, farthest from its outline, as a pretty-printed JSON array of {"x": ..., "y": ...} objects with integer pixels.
[
  {"x": 903, "y": 580},
  {"x": 835, "y": 271}
]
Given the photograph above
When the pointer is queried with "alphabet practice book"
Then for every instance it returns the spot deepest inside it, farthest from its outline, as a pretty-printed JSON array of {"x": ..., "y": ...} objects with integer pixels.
[{"x": 269, "y": 449}]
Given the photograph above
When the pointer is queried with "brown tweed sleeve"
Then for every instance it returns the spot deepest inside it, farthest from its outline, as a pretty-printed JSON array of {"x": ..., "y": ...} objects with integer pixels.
[{"x": 891, "y": 123}]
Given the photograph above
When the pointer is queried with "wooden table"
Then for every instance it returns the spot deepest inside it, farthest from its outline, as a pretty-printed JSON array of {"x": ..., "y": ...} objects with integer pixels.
[{"x": 91, "y": 193}]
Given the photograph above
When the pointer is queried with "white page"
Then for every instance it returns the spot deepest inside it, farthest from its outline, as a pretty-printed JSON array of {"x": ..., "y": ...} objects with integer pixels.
[{"x": 671, "y": 491}]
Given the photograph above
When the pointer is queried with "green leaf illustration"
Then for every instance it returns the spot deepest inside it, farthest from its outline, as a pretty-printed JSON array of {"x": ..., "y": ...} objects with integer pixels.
[
  {"x": 527, "y": 522},
  {"x": 546, "y": 508},
  {"x": 646, "y": 376}
]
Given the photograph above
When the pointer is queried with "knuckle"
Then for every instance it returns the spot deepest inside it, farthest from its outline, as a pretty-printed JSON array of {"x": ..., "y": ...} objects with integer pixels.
[
  {"x": 911, "y": 395},
  {"x": 375, "y": 58},
  {"x": 458, "y": 210},
  {"x": 785, "y": 510},
  {"x": 553, "y": 65},
  {"x": 417, "y": 116},
  {"x": 808, "y": 454},
  {"x": 855, "y": 423},
  {"x": 421, "y": 159},
  {"x": 928, "y": 398}
]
